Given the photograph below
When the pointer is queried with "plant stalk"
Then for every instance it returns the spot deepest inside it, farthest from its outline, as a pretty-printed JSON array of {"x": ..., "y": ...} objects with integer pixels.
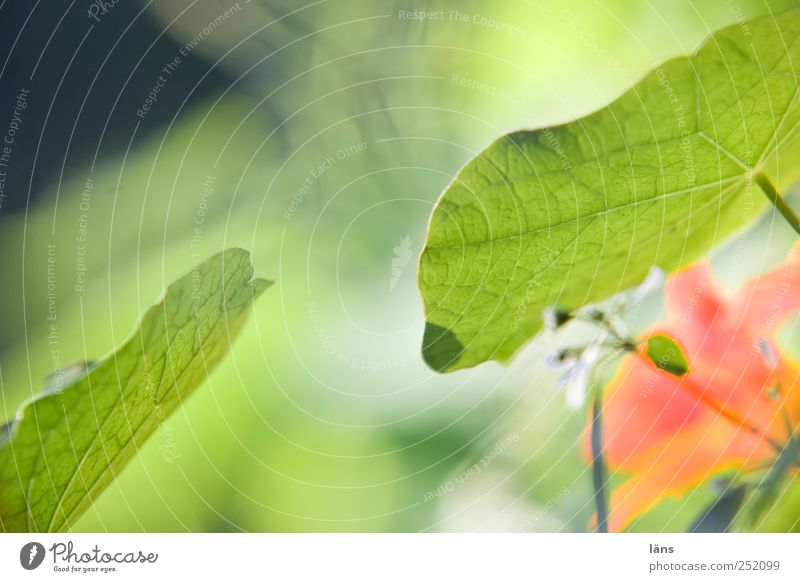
[
  {"x": 598, "y": 463},
  {"x": 777, "y": 201}
]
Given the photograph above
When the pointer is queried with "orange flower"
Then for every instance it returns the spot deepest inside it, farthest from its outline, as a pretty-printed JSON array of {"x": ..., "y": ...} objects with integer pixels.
[{"x": 735, "y": 405}]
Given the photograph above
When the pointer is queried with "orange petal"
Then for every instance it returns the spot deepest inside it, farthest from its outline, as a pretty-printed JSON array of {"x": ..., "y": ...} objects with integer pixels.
[
  {"x": 674, "y": 432},
  {"x": 767, "y": 300},
  {"x": 684, "y": 461}
]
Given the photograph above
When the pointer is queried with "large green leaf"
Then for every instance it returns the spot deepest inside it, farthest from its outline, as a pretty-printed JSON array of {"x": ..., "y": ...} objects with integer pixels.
[
  {"x": 572, "y": 214},
  {"x": 67, "y": 444}
]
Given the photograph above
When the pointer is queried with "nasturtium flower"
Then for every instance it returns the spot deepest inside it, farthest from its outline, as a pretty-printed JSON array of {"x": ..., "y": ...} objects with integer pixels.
[{"x": 731, "y": 411}]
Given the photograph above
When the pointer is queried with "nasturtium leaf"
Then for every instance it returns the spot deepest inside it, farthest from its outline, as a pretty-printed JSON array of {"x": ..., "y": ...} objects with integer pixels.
[
  {"x": 67, "y": 444},
  {"x": 667, "y": 355},
  {"x": 573, "y": 214}
]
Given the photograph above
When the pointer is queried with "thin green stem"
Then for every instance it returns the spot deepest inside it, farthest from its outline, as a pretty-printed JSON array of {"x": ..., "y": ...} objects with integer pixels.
[
  {"x": 778, "y": 202},
  {"x": 769, "y": 486},
  {"x": 598, "y": 463}
]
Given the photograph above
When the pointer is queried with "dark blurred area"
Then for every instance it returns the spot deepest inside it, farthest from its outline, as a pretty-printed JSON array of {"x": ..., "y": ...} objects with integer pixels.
[{"x": 85, "y": 82}]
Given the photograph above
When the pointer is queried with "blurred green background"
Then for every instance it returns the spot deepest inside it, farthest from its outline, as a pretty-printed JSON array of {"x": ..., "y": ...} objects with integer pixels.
[{"x": 327, "y": 137}]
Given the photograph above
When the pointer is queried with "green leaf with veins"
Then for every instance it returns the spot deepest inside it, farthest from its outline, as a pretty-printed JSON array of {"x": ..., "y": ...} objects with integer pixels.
[
  {"x": 67, "y": 444},
  {"x": 573, "y": 214}
]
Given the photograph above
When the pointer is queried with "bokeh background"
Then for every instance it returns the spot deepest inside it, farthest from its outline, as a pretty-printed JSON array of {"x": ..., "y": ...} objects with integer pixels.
[{"x": 318, "y": 135}]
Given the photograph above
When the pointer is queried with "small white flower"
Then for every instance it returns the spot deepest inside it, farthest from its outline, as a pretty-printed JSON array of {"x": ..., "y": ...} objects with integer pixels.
[
  {"x": 576, "y": 380},
  {"x": 554, "y": 318},
  {"x": 561, "y": 359}
]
